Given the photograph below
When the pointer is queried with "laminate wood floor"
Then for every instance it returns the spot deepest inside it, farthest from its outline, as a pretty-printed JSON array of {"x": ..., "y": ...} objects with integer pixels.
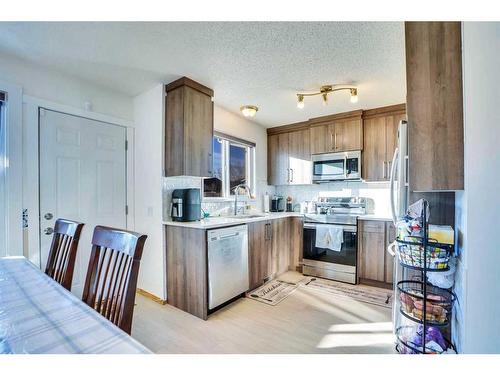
[{"x": 307, "y": 321}]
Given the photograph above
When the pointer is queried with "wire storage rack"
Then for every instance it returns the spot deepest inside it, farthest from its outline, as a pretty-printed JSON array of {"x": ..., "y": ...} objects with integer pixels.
[{"x": 420, "y": 302}]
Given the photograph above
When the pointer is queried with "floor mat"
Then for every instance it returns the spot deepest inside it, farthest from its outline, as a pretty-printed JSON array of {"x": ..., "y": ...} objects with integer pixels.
[
  {"x": 272, "y": 292},
  {"x": 363, "y": 293}
]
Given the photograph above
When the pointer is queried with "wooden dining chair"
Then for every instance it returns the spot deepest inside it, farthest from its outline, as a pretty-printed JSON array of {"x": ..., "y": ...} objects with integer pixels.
[
  {"x": 62, "y": 253},
  {"x": 111, "y": 279}
]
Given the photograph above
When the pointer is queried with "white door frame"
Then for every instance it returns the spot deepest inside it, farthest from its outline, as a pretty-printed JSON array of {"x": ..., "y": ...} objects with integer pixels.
[
  {"x": 14, "y": 173},
  {"x": 31, "y": 185}
]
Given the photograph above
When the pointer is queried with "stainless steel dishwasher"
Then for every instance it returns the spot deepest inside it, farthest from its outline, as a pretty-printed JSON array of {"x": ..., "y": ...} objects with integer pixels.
[{"x": 227, "y": 264}]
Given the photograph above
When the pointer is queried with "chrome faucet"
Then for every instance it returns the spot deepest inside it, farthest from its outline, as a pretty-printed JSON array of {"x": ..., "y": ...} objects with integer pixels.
[{"x": 236, "y": 189}]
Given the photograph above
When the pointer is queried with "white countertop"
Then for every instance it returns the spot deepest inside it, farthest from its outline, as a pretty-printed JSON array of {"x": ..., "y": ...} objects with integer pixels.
[{"x": 227, "y": 221}]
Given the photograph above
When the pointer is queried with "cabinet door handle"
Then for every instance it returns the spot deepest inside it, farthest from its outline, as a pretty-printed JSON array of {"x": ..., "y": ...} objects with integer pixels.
[
  {"x": 388, "y": 169},
  {"x": 383, "y": 169},
  {"x": 291, "y": 175},
  {"x": 335, "y": 147}
]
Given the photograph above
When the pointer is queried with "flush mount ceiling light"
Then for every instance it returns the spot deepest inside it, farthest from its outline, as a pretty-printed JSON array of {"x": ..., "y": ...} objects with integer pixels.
[
  {"x": 249, "y": 110},
  {"x": 325, "y": 90}
]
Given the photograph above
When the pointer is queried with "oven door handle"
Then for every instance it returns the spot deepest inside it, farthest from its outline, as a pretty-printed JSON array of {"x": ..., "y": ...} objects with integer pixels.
[{"x": 346, "y": 228}]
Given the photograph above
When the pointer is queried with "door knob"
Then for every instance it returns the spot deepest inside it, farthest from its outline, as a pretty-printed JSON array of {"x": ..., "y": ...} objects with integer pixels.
[
  {"x": 48, "y": 216},
  {"x": 48, "y": 231}
]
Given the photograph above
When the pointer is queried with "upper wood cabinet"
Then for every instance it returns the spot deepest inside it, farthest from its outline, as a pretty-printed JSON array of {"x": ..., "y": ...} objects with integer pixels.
[
  {"x": 189, "y": 125},
  {"x": 336, "y": 133},
  {"x": 434, "y": 105},
  {"x": 299, "y": 157},
  {"x": 380, "y": 128},
  {"x": 289, "y": 157}
]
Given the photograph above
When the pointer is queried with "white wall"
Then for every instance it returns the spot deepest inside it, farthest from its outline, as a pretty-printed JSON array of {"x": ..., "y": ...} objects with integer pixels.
[
  {"x": 51, "y": 85},
  {"x": 148, "y": 176},
  {"x": 238, "y": 126},
  {"x": 478, "y": 278}
]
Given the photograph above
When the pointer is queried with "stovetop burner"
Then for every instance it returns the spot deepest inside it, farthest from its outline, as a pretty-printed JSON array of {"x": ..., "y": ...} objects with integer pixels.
[{"x": 343, "y": 210}]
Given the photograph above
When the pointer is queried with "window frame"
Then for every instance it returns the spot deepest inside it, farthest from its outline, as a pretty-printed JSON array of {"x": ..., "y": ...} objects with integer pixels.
[{"x": 227, "y": 141}]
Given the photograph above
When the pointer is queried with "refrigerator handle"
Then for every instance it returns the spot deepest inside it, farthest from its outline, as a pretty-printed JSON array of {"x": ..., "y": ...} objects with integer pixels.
[{"x": 393, "y": 176}]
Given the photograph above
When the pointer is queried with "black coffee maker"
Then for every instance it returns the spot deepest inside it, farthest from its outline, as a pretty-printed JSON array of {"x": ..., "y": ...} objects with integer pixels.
[{"x": 186, "y": 205}]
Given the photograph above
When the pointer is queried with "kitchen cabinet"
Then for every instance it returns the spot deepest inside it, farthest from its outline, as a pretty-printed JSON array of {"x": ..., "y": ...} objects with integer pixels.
[
  {"x": 189, "y": 126},
  {"x": 336, "y": 133},
  {"x": 259, "y": 252},
  {"x": 371, "y": 250},
  {"x": 299, "y": 157},
  {"x": 186, "y": 255},
  {"x": 278, "y": 169},
  {"x": 296, "y": 243},
  {"x": 281, "y": 246},
  {"x": 289, "y": 158},
  {"x": 434, "y": 106},
  {"x": 375, "y": 264},
  {"x": 380, "y": 128},
  {"x": 274, "y": 247}
]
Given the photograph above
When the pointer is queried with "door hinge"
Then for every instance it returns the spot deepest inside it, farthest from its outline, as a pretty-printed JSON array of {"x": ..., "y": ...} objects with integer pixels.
[
  {"x": 126, "y": 209},
  {"x": 126, "y": 145}
]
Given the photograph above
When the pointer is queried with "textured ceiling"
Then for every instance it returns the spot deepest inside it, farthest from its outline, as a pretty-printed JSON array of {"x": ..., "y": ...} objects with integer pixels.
[{"x": 245, "y": 63}]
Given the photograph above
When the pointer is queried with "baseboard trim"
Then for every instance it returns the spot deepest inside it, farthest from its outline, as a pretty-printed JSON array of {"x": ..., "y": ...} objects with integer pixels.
[{"x": 151, "y": 296}]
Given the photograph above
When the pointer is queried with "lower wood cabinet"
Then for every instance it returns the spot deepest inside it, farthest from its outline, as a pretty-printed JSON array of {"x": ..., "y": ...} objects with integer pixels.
[
  {"x": 375, "y": 264},
  {"x": 259, "y": 252},
  {"x": 274, "y": 247},
  {"x": 280, "y": 258},
  {"x": 187, "y": 287}
]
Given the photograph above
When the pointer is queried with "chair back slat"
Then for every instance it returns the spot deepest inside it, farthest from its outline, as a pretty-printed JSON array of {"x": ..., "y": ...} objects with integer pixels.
[
  {"x": 112, "y": 274},
  {"x": 62, "y": 254}
]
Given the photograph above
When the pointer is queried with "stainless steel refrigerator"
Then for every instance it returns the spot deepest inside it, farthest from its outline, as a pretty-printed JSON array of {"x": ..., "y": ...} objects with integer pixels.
[{"x": 399, "y": 204}]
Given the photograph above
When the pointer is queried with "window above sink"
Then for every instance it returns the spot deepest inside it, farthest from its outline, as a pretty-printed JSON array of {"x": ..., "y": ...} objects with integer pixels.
[{"x": 233, "y": 164}]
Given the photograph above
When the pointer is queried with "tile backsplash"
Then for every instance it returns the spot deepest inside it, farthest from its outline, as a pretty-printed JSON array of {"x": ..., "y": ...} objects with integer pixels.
[
  {"x": 214, "y": 206},
  {"x": 378, "y": 194}
]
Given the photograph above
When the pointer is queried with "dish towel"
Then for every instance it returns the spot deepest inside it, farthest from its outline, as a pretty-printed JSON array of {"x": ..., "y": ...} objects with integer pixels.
[{"x": 329, "y": 237}]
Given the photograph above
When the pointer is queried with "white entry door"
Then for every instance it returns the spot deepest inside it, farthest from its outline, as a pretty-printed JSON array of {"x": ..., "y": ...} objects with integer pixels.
[{"x": 82, "y": 178}]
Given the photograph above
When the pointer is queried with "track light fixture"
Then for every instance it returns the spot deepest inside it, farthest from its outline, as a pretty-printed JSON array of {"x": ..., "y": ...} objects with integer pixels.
[{"x": 325, "y": 90}]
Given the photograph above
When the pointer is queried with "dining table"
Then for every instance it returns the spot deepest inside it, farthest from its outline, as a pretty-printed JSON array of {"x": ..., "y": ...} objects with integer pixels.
[{"x": 38, "y": 315}]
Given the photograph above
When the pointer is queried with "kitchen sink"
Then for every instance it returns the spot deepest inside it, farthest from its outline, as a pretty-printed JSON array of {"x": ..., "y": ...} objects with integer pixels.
[{"x": 250, "y": 216}]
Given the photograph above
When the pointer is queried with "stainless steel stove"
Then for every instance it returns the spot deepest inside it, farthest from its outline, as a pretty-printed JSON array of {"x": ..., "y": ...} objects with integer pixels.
[{"x": 335, "y": 265}]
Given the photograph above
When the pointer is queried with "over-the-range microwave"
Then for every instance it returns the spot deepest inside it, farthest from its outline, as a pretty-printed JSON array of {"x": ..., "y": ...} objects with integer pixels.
[{"x": 336, "y": 166}]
